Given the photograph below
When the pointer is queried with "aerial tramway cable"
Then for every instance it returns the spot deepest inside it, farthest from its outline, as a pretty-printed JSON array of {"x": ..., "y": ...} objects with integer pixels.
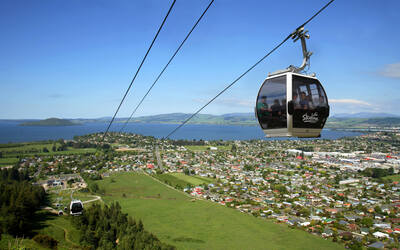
[
  {"x": 291, "y": 35},
  {"x": 165, "y": 67},
  {"x": 137, "y": 72}
]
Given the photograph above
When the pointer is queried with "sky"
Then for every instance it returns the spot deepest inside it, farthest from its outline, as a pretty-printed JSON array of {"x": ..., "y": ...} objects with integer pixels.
[{"x": 75, "y": 59}]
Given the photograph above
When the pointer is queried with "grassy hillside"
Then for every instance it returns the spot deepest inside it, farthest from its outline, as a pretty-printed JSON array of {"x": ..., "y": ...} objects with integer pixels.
[
  {"x": 175, "y": 219},
  {"x": 58, "y": 227}
]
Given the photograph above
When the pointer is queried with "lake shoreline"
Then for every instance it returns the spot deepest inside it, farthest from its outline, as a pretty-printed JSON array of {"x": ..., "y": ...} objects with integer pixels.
[{"x": 12, "y": 132}]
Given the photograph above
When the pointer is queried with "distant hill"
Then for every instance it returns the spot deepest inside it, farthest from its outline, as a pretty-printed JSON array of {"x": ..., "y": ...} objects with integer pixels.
[
  {"x": 359, "y": 120},
  {"x": 50, "y": 122},
  {"x": 363, "y": 122},
  {"x": 364, "y": 115},
  {"x": 227, "y": 119}
]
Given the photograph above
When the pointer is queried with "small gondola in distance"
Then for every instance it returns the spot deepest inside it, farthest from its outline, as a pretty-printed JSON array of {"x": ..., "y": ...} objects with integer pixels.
[{"x": 76, "y": 207}]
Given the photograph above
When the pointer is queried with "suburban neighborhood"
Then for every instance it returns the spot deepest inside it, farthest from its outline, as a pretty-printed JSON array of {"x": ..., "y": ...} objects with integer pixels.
[{"x": 344, "y": 190}]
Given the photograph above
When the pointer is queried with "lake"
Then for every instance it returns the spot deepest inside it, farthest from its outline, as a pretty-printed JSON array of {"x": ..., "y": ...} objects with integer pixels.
[{"x": 10, "y": 131}]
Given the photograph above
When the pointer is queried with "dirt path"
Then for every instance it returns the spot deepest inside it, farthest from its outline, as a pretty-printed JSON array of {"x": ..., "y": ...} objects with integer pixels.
[{"x": 95, "y": 199}]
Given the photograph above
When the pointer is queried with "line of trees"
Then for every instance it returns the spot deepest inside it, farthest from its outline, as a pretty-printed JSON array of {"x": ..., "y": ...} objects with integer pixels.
[
  {"x": 19, "y": 200},
  {"x": 378, "y": 172},
  {"x": 106, "y": 227}
]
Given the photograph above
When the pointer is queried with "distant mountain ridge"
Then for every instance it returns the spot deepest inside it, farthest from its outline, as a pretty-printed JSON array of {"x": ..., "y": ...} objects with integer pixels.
[
  {"x": 364, "y": 115},
  {"x": 226, "y": 119},
  {"x": 246, "y": 119}
]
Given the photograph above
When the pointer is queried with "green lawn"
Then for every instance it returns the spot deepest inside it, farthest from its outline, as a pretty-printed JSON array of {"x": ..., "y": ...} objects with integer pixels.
[
  {"x": 61, "y": 229},
  {"x": 393, "y": 177},
  {"x": 192, "y": 179},
  {"x": 9, "y": 242},
  {"x": 8, "y": 161},
  {"x": 26, "y": 149},
  {"x": 58, "y": 227},
  {"x": 178, "y": 220},
  {"x": 207, "y": 147},
  {"x": 172, "y": 180}
]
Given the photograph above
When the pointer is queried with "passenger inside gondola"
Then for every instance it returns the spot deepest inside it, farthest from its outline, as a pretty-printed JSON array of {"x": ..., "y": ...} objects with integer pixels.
[
  {"x": 276, "y": 108},
  {"x": 321, "y": 102},
  {"x": 304, "y": 103},
  {"x": 263, "y": 111},
  {"x": 296, "y": 101},
  {"x": 283, "y": 107},
  {"x": 283, "y": 113}
]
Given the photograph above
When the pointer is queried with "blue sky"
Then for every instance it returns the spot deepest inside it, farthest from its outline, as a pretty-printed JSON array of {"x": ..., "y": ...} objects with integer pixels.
[{"x": 76, "y": 58}]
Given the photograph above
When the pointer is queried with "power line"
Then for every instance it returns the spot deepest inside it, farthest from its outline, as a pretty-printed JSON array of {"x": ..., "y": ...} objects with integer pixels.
[
  {"x": 247, "y": 71},
  {"x": 165, "y": 67},
  {"x": 137, "y": 72}
]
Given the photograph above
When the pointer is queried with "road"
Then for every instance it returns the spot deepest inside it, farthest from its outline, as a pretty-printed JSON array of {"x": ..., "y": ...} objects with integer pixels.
[{"x": 159, "y": 162}]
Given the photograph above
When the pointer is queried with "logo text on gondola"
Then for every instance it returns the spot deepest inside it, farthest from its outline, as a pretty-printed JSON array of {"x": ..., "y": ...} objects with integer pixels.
[{"x": 313, "y": 118}]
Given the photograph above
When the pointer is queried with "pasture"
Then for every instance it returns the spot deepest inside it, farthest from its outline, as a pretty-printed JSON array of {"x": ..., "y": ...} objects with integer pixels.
[
  {"x": 177, "y": 219},
  {"x": 393, "y": 177},
  {"x": 207, "y": 147},
  {"x": 192, "y": 179},
  {"x": 9, "y": 153}
]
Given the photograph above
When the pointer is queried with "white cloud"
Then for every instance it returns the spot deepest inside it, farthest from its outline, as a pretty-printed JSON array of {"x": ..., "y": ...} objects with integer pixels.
[
  {"x": 391, "y": 70},
  {"x": 350, "y": 101}
]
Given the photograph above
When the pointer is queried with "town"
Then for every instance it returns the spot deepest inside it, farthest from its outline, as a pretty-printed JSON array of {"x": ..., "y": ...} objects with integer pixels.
[{"x": 345, "y": 190}]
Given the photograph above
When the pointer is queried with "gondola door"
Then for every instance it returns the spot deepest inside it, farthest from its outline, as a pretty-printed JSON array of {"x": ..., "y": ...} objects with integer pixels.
[{"x": 308, "y": 108}]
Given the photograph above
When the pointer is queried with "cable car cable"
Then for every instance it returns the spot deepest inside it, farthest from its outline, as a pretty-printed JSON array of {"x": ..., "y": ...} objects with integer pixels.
[
  {"x": 247, "y": 71},
  {"x": 137, "y": 72},
  {"x": 165, "y": 67}
]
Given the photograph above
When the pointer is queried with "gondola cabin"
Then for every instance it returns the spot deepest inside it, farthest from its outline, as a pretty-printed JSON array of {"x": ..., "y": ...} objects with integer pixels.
[
  {"x": 292, "y": 104},
  {"x": 76, "y": 207}
]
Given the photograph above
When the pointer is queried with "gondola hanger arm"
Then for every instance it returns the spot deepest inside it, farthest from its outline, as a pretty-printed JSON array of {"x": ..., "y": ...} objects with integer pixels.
[{"x": 301, "y": 34}]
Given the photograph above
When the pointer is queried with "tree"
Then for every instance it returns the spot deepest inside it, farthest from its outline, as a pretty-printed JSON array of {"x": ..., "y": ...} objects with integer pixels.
[
  {"x": 45, "y": 150},
  {"x": 378, "y": 209},
  {"x": 355, "y": 245},
  {"x": 366, "y": 221}
]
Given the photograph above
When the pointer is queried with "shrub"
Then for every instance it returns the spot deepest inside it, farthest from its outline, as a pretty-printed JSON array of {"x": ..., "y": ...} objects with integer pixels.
[{"x": 46, "y": 241}]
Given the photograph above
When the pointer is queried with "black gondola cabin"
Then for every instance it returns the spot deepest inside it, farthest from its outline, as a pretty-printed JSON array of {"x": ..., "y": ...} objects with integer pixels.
[
  {"x": 76, "y": 207},
  {"x": 292, "y": 104}
]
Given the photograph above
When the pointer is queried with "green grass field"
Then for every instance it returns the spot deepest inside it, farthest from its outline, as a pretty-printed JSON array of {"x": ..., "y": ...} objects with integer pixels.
[
  {"x": 58, "y": 227},
  {"x": 172, "y": 180},
  {"x": 9, "y": 242},
  {"x": 192, "y": 179},
  {"x": 178, "y": 220},
  {"x": 12, "y": 150},
  {"x": 393, "y": 177},
  {"x": 207, "y": 147},
  {"x": 61, "y": 229},
  {"x": 182, "y": 180},
  {"x": 8, "y": 161}
]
